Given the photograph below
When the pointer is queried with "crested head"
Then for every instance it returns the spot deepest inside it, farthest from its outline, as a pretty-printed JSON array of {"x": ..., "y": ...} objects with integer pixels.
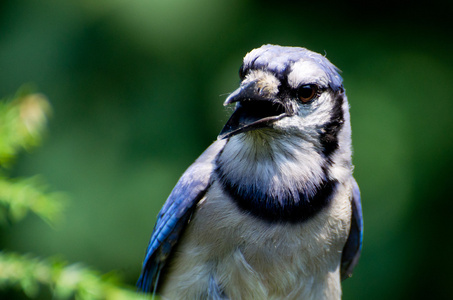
[
  {"x": 290, "y": 92},
  {"x": 308, "y": 66}
]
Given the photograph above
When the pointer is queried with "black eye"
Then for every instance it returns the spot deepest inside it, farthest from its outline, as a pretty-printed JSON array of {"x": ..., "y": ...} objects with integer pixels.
[{"x": 307, "y": 92}]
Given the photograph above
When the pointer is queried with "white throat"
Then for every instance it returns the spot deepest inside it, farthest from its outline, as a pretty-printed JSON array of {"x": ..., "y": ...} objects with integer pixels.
[{"x": 272, "y": 161}]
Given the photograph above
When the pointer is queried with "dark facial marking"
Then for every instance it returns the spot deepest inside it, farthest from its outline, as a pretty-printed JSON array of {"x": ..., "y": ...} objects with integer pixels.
[{"x": 329, "y": 135}]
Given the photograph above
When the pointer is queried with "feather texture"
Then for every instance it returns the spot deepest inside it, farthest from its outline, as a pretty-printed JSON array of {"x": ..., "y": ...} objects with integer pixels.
[
  {"x": 271, "y": 209},
  {"x": 175, "y": 214}
]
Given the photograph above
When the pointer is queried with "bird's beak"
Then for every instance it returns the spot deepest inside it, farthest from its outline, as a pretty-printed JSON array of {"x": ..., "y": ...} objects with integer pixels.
[{"x": 253, "y": 111}]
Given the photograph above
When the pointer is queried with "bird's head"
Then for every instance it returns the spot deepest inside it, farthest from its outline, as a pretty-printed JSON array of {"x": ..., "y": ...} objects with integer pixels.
[{"x": 288, "y": 90}]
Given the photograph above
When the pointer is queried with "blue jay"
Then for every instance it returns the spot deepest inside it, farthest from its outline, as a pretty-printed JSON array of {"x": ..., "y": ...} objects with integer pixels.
[{"x": 270, "y": 210}]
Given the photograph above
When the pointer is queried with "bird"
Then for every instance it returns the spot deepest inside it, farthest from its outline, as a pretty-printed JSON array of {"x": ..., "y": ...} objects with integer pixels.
[{"x": 271, "y": 209}]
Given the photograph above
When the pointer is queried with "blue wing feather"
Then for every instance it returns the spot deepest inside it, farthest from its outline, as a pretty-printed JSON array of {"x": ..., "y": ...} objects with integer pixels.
[
  {"x": 175, "y": 214},
  {"x": 353, "y": 246}
]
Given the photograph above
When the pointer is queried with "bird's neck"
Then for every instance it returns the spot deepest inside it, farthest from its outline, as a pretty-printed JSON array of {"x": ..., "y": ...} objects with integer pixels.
[{"x": 274, "y": 176}]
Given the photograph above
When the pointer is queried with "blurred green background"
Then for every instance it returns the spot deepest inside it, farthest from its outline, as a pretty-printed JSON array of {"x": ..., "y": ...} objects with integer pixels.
[{"x": 137, "y": 90}]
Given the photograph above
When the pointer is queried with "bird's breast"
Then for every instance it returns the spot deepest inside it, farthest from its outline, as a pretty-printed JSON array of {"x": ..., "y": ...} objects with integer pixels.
[{"x": 236, "y": 249}]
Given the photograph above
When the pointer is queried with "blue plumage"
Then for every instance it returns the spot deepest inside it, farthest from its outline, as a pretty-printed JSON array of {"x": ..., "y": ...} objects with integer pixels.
[
  {"x": 278, "y": 59},
  {"x": 269, "y": 210},
  {"x": 175, "y": 214}
]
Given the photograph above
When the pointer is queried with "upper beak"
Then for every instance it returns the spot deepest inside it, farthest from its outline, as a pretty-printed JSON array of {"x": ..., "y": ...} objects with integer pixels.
[
  {"x": 244, "y": 92},
  {"x": 253, "y": 111}
]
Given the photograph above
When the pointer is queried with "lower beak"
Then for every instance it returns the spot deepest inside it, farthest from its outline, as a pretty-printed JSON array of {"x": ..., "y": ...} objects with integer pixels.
[{"x": 252, "y": 112}]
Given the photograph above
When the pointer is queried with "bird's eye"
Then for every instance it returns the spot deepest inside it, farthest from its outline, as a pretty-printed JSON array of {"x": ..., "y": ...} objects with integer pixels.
[{"x": 307, "y": 92}]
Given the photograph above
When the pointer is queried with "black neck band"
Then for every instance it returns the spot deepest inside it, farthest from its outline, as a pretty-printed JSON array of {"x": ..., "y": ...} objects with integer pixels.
[{"x": 279, "y": 208}]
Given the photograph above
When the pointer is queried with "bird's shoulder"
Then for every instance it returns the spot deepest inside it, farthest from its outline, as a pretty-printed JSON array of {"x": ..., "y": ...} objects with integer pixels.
[{"x": 175, "y": 214}]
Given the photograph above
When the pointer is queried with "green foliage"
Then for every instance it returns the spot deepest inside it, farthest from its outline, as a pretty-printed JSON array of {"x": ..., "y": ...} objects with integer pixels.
[
  {"x": 23, "y": 120},
  {"x": 66, "y": 281},
  {"x": 22, "y": 124},
  {"x": 17, "y": 196}
]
